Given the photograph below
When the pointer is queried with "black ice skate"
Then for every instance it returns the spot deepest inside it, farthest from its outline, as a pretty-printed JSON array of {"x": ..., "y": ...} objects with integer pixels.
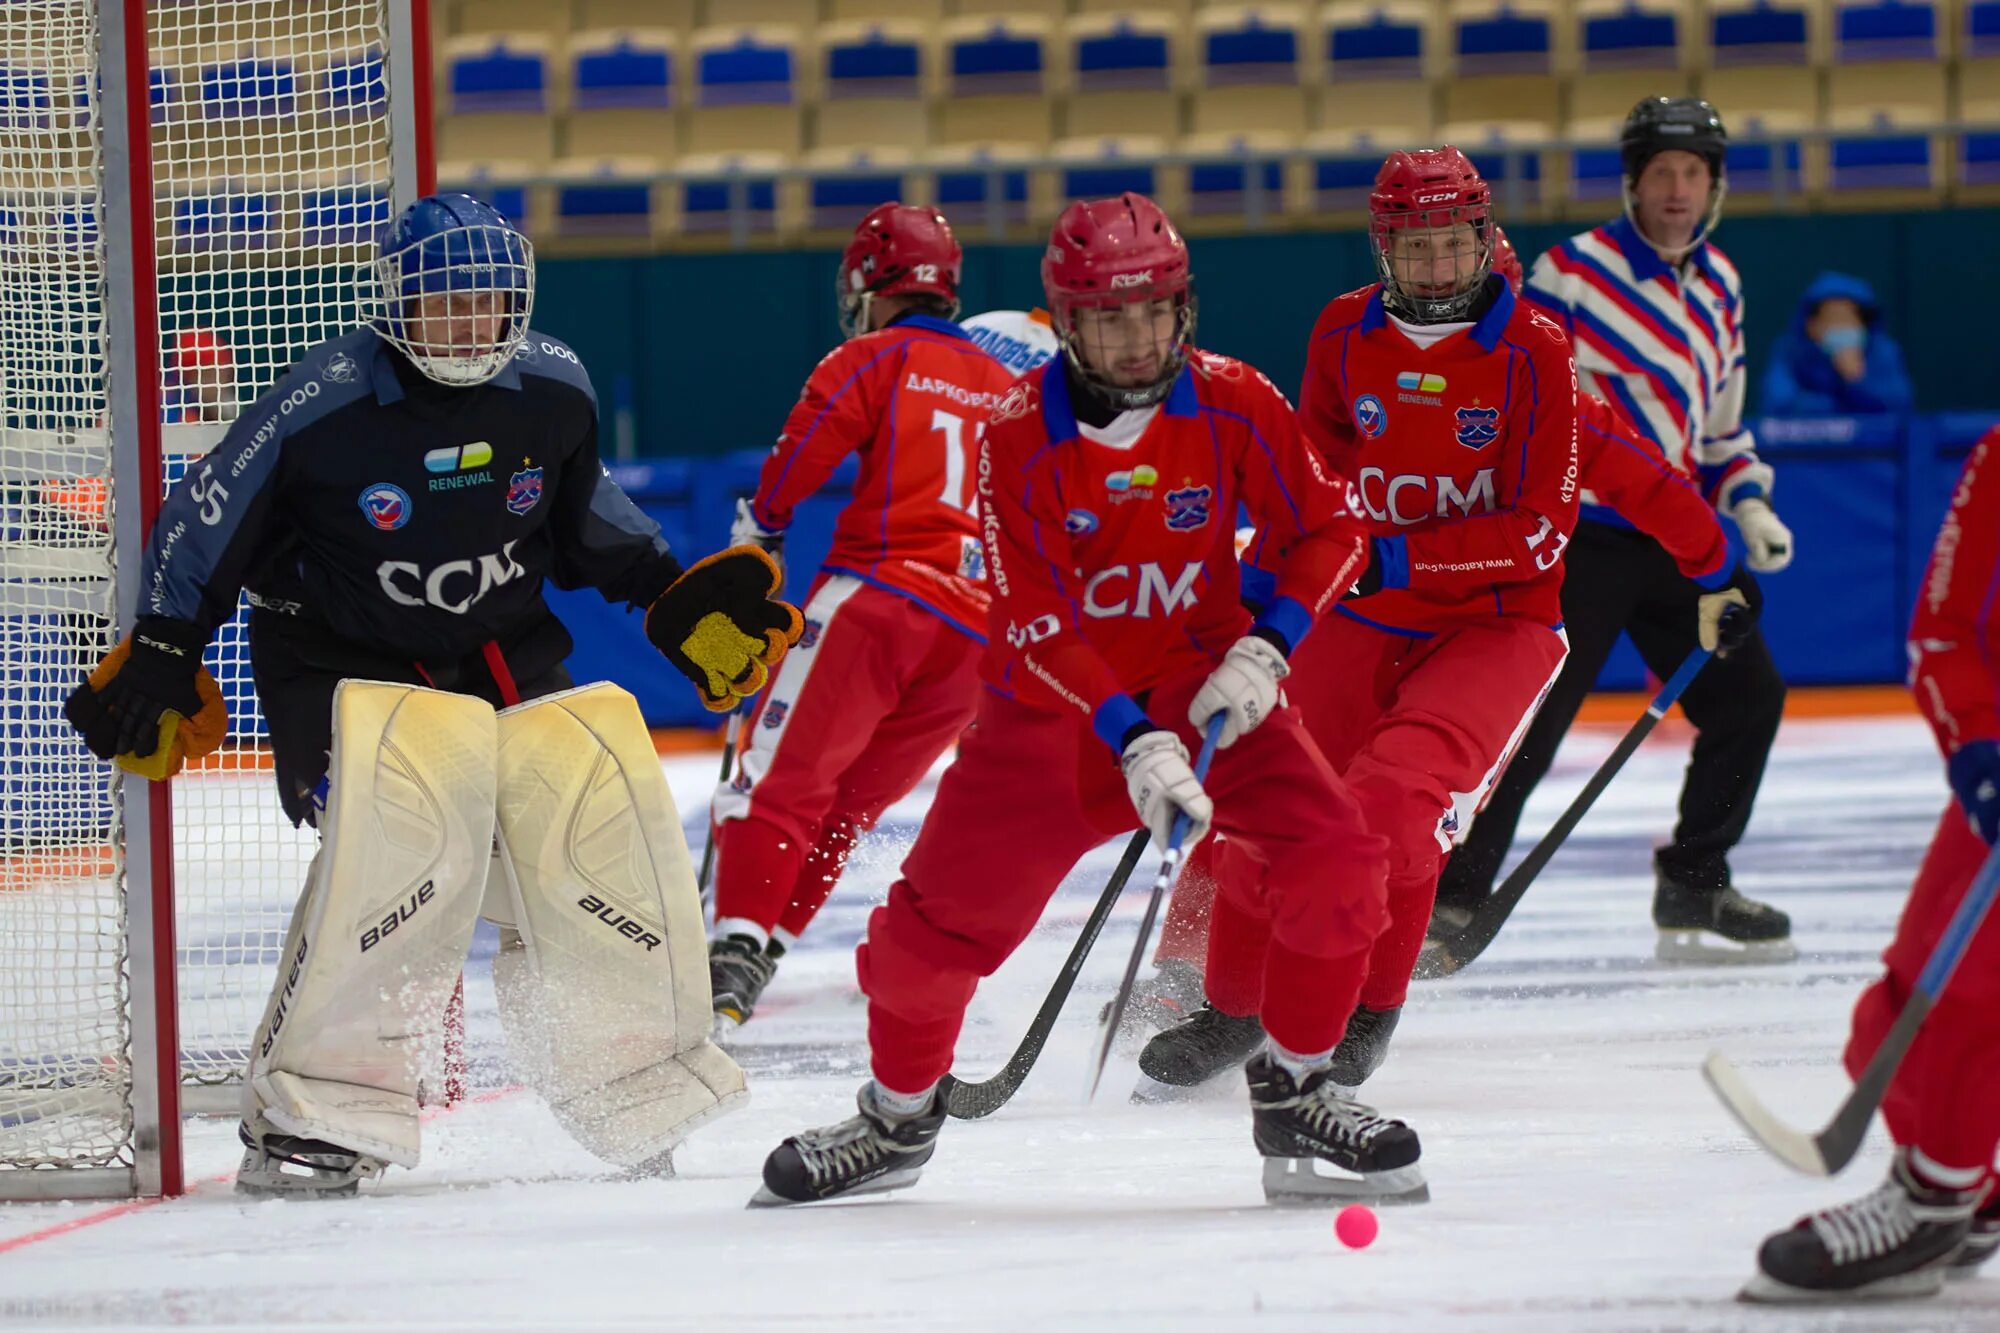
[
  {"x": 1898, "y": 1241},
  {"x": 1980, "y": 1241},
  {"x": 1719, "y": 925},
  {"x": 1301, "y": 1125},
  {"x": 870, "y": 1153},
  {"x": 738, "y": 970},
  {"x": 279, "y": 1165},
  {"x": 1364, "y": 1046},
  {"x": 1162, "y": 1000},
  {"x": 1204, "y": 1045}
]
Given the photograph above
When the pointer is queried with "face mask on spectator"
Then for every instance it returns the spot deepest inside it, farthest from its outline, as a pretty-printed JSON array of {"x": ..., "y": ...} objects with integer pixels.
[{"x": 1851, "y": 338}]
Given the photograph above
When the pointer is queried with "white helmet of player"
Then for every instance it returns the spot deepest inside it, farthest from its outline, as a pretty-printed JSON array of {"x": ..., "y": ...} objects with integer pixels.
[{"x": 1020, "y": 340}]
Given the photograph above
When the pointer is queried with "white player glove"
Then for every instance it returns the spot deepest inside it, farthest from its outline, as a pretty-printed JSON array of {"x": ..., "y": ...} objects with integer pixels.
[
  {"x": 1162, "y": 784},
  {"x": 1767, "y": 543},
  {"x": 747, "y": 531},
  {"x": 1244, "y": 686}
]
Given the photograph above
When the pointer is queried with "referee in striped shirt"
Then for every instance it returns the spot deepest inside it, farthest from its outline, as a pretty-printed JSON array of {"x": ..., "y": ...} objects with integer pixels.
[{"x": 1654, "y": 311}]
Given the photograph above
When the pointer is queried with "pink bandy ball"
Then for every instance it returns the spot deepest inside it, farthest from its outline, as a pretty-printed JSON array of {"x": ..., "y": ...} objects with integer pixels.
[{"x": 1356, "y": 1226}]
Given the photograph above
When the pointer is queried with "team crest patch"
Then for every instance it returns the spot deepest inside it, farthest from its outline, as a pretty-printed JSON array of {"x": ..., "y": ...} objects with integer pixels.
[
  {"x": 386, "y": 505},
  {"x": 340, "y": 368},
  {"x": 1013, "y": 403},
  {"x": 1369, "y": 415},
  {"x": 774, "y": 714},
  {"x": 810, "y": 634},
  {"x": 740, "y": 784},
  {"x": 1478, "y": 426},
  {"x": 1189, "y": 508},
  {"x": 1079, "y": 523},
  {"x": 524, "y": 490}
]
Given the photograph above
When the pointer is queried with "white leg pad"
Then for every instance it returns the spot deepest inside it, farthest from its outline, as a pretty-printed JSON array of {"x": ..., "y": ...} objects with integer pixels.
[
  {"x": 605, "y": 1000},
  {"x": 381, "y": 932}
]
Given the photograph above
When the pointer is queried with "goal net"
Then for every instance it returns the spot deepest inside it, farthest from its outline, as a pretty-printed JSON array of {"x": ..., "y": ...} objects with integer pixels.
[{"x": 269, "y": 142}]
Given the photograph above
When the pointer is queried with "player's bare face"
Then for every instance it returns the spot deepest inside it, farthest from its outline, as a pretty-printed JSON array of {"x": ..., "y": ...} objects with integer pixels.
[
  {"x": 1128, "y": 345},
  {"x": 1670, "y": 197},
  {"x": 458, "y": 323},
  {"x": 1434, "y": 263}
]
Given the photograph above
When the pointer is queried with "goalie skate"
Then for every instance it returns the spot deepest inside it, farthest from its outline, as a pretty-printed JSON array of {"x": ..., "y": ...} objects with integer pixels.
[
  {"x": 286, "y": 1166},
  {"x": 1320, "y": 1147}
]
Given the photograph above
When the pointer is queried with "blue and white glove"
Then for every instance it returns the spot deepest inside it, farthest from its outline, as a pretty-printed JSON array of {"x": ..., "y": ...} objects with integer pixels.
[{"x": 1974, "y": 774}]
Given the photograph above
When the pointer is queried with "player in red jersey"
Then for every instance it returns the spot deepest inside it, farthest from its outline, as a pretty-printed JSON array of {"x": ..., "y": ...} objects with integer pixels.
[
  {"x": 885, "y": 676},
  {"x": 1108, "y": 480},
  {"x": 1623, "y": 470},
  {"x": 1938, "y": 1214},
  {"x": 1452, "y": 409}
]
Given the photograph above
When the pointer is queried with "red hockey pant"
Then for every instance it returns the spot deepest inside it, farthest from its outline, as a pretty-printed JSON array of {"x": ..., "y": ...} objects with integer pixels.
[
  {"x": 1417, "y": 729},
  {"x": 1033, "y": 790},
  {"x": 1945, "y": 1100},
  {"x": 858, "y": 712}
]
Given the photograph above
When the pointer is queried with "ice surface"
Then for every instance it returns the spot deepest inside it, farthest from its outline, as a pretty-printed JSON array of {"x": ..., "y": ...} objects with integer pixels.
[{"x": 1583, "y": 1177}]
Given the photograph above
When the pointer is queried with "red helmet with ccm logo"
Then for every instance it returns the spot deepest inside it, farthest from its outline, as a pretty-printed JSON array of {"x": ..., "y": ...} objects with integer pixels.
[
  {"x": 1116, "y": 252},
  {"x": 898, "y": 250},
  {"x": 1428, "y": 205}
]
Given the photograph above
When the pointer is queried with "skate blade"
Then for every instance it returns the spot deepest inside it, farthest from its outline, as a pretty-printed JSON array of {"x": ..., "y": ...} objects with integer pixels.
[
  {"x": 883, "y": 1184},
  {"x": 1763, "y": 1289},
  {"x": 1296, "y": 1180},
  {"x": 1149, "y": 1091},
  {"x": 1705, "y": 946}
]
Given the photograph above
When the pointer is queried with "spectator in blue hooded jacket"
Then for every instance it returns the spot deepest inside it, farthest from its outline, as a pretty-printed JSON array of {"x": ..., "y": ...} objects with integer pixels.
[{"x": 1835, "y": 359}]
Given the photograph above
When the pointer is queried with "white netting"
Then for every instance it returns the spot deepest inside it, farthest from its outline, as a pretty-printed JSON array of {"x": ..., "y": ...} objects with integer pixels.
[
  {"x": 64, "y": 1049},
  {"x": 271, "y": 182}
]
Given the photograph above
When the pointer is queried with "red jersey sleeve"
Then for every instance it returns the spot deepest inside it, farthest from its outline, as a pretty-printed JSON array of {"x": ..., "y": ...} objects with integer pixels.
[
  {"x": 1037, "y": 600},
  {"x": 1955, "y": 638},
  {"x": 1524, "y": 537},
  {"x": 1627, "y": 471},
  {"x": 836, "y": 414}
]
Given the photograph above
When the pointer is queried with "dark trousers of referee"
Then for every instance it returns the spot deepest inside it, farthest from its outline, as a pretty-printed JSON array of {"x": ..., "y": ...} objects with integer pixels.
[{"x": 1620, "y": 581}]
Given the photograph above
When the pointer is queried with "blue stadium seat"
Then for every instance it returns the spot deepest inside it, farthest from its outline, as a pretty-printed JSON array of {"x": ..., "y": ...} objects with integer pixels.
[
  {"x": 1628, "y": 35},
  {"x": 1341, "y": 166},
  {"x": 996, "y": 81},
  {"x": 1503, "y": 37},
  {"x": 1885, "y": 30},
  {"x": 621, "y": 70},
  {"x": 604, "y": 197},
  {"x": 1887, "y": 154},
  {"x": 495, "y": 183},
  {"x": 162, "y": 89},
  {"x": 1247, "y": 180},
  {"x": 875, "y": 79},
  {"x": 974, "y": 183},
  {"x": 1981, "y": 34},
  {"x": 1514, "y": 173},
  {"x": 1249, "y": 68},
  {"x": 343, "y": 215},
  {"x": 1759, "y": 32},
  {"x": 1979, "y": 157},
  {"x": 229, "y": 218},
  {"x": 1376, "y": 41},
  {"x": 705, "y": 202},
  {"x": 497, "y": 72},
  {"x": 25, "y": 99},
  {"x": 857, "y": 180},
  {"x": 1094, "y": 168},
  {"x": 249, "y": 88},
  {"x": 356, "y": 86},
  {"x": 1124, "y": 74},
  {"x": 1762, "y": 158},
  {"x": 746, "y": 91}
]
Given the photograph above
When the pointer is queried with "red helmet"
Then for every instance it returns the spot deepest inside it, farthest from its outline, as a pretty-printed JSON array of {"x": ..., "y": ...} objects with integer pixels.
[
  {"x": 898, "y": 250},
  {"x": 1506, "y": 262},
  {"x": 1434, "y": 191},
  {"x": 1115, "y": 252}
]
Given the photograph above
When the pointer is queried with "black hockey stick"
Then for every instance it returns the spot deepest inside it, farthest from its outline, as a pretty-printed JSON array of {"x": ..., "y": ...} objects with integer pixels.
[
  {"x": 1169, "y": 865},
  {"x": 1826, "y": 1152},
  {"x": 730, "y": 731},
  {"x": 970, "y": 1101},
  {"x": 1453, "y": 952}
]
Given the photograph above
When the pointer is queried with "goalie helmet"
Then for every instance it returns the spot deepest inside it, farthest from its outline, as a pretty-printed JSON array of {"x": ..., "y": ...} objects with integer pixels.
[
  {"x": 1113, "y": 253},
  {"x": 898, "y": 250},
  {"x": 454, "y": 287},
  {"x": 1430, "y": 222}
]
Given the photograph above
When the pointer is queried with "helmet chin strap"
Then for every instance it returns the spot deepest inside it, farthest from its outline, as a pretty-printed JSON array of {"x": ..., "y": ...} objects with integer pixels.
[{"x": 1710, "y": 220}]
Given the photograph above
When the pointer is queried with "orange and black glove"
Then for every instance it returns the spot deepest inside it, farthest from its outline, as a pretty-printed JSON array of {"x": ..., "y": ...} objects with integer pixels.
[
  {"x": 723, "y": 626},
  {"x": 150, "y": 704}
]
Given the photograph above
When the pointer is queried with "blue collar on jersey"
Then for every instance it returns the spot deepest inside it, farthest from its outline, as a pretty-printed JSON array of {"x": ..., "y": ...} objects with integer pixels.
[
  {"x": 389, "y": 389},
  {"x": 916, "y": 319},
  {"x": 1059, "y": 418},
  {"x": 1486, "y": 332},
  {"x": 1644, "y": 259}
]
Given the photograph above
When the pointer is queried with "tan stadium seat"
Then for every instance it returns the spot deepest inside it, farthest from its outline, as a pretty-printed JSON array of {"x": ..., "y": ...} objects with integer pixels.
[
  {"x": 1125, "y": 73},
  {"x": 997, "y": 78}
]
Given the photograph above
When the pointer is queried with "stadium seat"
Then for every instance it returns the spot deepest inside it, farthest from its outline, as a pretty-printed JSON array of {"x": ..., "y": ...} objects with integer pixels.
[
  {"x": 1762, "y": 90},
  {"x": 705, "y": 200},
  {"x": 1377, "y": 59},
  {"x": 737, "y": 13},
  {"x": 162, "y": 89},
  {"x": 1775, "y": 33},
  {"x": 1913, "y": 88},
  {"x": 1978, "y": 151},
  {"x": 250, "y": 88},
  {"x": 1502, "y": 61},
  {"x": 977, "y": 184},
  {"x": 925, "y": 11},
  {"x": 1176, "y": 9},
  {"x": 1341, "y": 165},
  {"x": 1496, "y": 148},
  {"x": 840, "y": 198},
  {"x": 1886, "y": 30},
  {"x": 1250, "y": 70},
  {"x": 1979, "y": 36},
  {"x": 1596, "y": 171},
  {"x": 483, "y": 16},
  {"x": 1247, "y": 182},
  {"x": 497, "y": 183},
  {"x": 497, "y": 72},
  {"x": 608, "y": 196},
  {"x": 997, "y": 81},
  {"x": 1122, "y": 70},
  {"x": 1883, "y": 151},
  {"x": 622, "y": 94},
  {"x": 1097, "y": 167},
  {"x": 680, "y": 15},
  {"x": 1052, "y": 10},
  {"x": 874, "y": 81},
  {"x": 353, "y": 86},
  {"x": 1633, "y": 35},
  {"x": 1764, "y": 163},
  {"x": 746, "y": 91},
  {"x": 225, "y": 217},
  {"x": 345, "y": 214}
]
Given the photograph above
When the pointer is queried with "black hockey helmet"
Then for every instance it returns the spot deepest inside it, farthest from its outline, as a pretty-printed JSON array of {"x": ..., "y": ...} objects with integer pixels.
[{"x": 1660, "y": 123}]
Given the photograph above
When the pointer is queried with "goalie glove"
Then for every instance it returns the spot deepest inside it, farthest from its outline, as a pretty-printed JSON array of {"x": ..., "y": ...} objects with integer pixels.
[
  {"x": 723, "y": 626},
  {"x": 1244, "y": 685},
  {"x": 1974, "y": 773},
  {"x": 150, "y": 704},
  {"x": 1767, "y": 542},
  {"x": 1162, "y": 784},
  {"x": 747, "y": 531}
]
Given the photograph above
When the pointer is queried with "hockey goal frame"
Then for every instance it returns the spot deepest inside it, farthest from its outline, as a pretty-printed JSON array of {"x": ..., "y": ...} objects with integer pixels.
[{"x": 134, "y": 416}]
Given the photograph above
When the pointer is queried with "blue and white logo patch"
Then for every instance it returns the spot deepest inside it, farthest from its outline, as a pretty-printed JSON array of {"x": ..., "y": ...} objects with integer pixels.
[
  {"x": 1188, "y": 508},
  {"x": 524, "y": 490},
  {"x": 1478, "y": 426},
  {"x": 386, "y": 505},
  {"x": 1079, "y": 523},
  {"x": 1369, "y": 415}
]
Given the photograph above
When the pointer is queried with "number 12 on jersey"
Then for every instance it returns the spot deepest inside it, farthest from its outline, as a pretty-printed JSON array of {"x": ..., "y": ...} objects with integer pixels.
[{"x": 955, "y": 493}]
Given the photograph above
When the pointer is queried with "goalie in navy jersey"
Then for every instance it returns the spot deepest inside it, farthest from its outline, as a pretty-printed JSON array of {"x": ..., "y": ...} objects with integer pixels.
[{"x": 391, "y": 508}]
